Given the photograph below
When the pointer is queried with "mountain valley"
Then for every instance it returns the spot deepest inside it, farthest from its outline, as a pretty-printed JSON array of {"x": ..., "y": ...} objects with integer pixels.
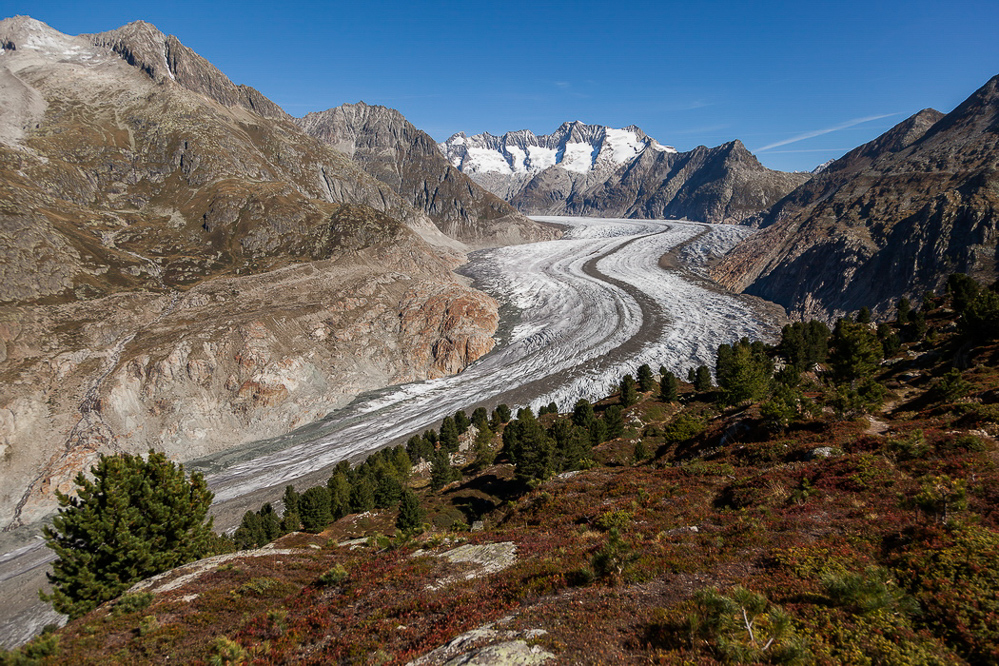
[{"x": 695, "y": 386}]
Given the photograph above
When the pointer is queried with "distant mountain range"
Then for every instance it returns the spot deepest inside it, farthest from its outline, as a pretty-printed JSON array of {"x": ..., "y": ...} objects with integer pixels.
[
  {"x": 892, "y": 217},
  {"x": 592, "y": 170}
]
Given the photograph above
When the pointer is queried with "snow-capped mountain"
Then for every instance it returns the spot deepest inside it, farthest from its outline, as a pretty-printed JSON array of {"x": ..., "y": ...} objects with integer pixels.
[
  {"x": 593, "y": 170},
  {"x": 505, "y": 164}
]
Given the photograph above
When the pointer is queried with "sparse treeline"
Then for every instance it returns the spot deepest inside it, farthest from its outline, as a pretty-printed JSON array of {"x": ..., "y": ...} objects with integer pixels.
[{"x": 809, "y": 363}]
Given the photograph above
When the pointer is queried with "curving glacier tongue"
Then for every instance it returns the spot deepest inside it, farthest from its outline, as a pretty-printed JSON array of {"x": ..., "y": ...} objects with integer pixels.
[{"x": 589, "y": 308}]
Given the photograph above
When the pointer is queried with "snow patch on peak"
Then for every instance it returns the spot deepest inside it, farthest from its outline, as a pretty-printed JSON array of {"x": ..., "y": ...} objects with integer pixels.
[
  {"x": 540, "y": 157},
  {"x": 485, "y": 160},
  {"x": 625, "y": 144},
  {"x": 578, "y": 157}
]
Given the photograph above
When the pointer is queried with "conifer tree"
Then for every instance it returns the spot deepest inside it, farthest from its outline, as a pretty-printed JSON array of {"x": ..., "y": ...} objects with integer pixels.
[
  {"x": 441, "y": 472},
  {"x": 270, "y": 524},
  {"x": 388, "y": 490},
  {"x": 418, "y": 448},
  {"x": 646, "y": 382},
  {"x": 461, "y": 421},
  {"x": 290, "y": 499},
  {"x": 614, "y": 422},
  {"x": 535, "y": 455},
  {"x": 362, "y": 495},
  {"x": 339, "y": 488},
  {"x": 484, "y": 453},
  {"x": 744, "y": 372},
  {"x": 449, "y": 435},
  {"x": 702, "y": 379},
  {"x": 314, "y": 509},
  {"x": 411, "y": 513},
  {"x": 856, "y": 351},
  {"x": 582, "y": 414},
  {"x": 669, "y": 387},
  {"x": 629, "y": 391},
  {"x": 598, "y": 432},
  {"x": 135, "y": 519},
  {"x": 480, "y": 418}
]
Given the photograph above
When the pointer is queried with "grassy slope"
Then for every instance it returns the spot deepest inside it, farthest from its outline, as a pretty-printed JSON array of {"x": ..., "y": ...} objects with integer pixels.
[{"x": 752, "y": 508}]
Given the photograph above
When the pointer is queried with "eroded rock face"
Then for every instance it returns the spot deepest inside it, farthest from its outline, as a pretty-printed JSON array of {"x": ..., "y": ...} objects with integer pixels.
[
  {"x": 891, "y": 218},
  {"x": 408, "y": 160},
  {"x": 184, "y": 269}
]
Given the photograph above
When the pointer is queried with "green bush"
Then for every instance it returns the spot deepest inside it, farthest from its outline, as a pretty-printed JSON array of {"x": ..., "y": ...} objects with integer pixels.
[
  {"x": 684, "y": 427},
  {"x": 951, "y": 386},
  {"x": 336, "y": 575},
  {"x": 743, "y": 627},
  {"x": 954, "y": 575},
  {"x": 132, "y": 603},
  {"x": 613, "y": 558},
  {"x": 867, "y": 592}
]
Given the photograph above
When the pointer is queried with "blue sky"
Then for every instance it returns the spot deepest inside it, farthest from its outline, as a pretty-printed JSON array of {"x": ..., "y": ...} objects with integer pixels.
[{"x": 798, "y": 82}]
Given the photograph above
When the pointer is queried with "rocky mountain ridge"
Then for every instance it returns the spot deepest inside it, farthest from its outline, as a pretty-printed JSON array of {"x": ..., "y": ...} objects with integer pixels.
[
  {"x": 183, "y": 268},
  {"x": 596, "y": 171},
  {"x": 890, "y": 218},
  {"x": 382, "y": 142}
]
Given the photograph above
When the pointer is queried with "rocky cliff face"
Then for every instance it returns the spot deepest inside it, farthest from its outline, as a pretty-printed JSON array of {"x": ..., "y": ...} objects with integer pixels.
[
  {"x": 182, "y": 268},
  {"x": 726, "y": 184},
  {"x": 890, "y": 218},
  {"x": 597, "y": 171},
  {"x": 383, "y": 143}
]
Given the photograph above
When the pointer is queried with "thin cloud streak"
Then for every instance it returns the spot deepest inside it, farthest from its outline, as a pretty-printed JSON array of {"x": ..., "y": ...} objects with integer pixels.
[{"x": 809, "y": 135}]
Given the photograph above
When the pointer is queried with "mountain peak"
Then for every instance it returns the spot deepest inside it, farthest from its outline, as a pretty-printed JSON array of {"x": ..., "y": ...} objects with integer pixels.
[{"x": 163, "y": 57}]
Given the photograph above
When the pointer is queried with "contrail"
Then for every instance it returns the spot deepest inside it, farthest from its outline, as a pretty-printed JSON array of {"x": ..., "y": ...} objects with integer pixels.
[{"x": 814, "y": 133}]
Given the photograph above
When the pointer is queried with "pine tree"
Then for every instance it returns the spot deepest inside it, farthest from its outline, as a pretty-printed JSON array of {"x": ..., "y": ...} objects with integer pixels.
[
  {"x": 362, "y": 495},
  {"x": 135, "y": 519},
  {"x": 401, "y": 462},
  {"x": 535, "y": 458},
  {"x": 614, "y": 422},
  {"x": 480, "y": 418},
  {"x": 629, "y": 391},
  {"x": 339, "y": 488},
  {"x": 388, "y": 490},
  {"x": 702, "y": 379},
  {"x": 411, "y": 513},
  {"x": 744, "y": 372},
  {"x": 646, "y": 382},
  {"x": 582, "y": 414},
  {"x": 449, "y": 435},
  {"x": 669, "y": 387},
  {"x": 314, "y": 509},
  {"x": 856, "y": 351},
  {"x": 290, "y": 499},
  {"x": 903, "y": 311},
  {"x": 484, "y": 453},
  {"x": 250, "y": 532},
  {"x": 461, "y": 421},
  {"x": 441, "y": 472},
  {"x": 270, "y": 524}
]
